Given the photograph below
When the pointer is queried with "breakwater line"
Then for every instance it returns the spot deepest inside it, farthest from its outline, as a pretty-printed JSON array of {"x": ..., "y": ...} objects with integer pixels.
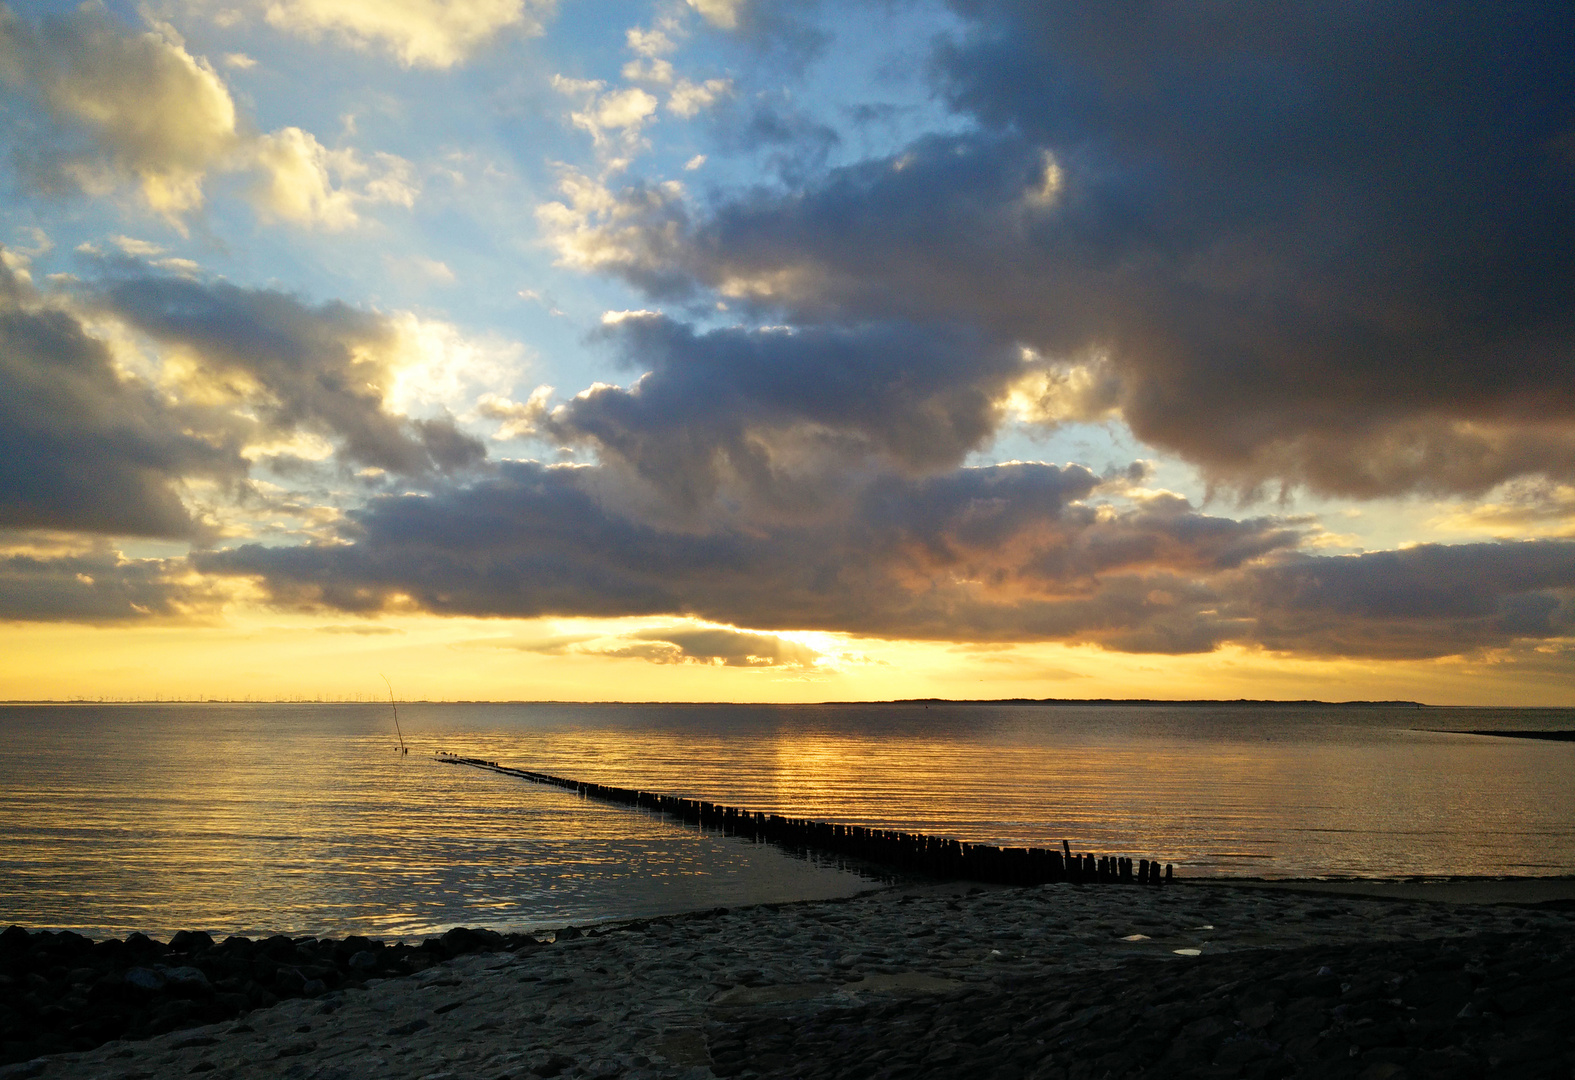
[{"x": 920, "y": 853}]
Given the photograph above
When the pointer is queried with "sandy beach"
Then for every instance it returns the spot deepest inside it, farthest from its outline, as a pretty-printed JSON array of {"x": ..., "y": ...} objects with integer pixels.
[{"x": 1200, "y": 979}]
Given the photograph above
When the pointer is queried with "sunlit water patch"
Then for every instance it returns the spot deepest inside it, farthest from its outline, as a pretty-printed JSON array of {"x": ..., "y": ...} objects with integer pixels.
[{"x": 258, "y": 818}]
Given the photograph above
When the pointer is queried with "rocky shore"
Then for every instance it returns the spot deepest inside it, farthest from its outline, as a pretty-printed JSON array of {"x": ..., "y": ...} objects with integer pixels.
[
  {"x": 62, "y": 992},
  {"x": 914, "y": 981}
]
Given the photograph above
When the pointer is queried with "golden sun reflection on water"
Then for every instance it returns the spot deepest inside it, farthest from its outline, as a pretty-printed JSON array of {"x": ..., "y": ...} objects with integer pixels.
[
  {"x": 299, "y": 818},
  {"x": 1227, "y": 791}
]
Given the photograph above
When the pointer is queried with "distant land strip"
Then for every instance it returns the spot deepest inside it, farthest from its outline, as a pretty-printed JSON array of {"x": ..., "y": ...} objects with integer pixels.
[
  {"x": 1161, "y": 701},
  {"x": 1553, "y": 736}
]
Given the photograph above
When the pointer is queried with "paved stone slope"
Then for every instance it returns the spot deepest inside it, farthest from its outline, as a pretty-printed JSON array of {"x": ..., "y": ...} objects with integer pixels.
[{"x": 1058, "y": 980}]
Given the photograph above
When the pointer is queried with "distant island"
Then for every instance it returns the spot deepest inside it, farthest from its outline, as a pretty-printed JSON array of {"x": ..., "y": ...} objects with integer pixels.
[
  {"x": 1164, "y": 701},
  {"x": 1554, "y": 736}
]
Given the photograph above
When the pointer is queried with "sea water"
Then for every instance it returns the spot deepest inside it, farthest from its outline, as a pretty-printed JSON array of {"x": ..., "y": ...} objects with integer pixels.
[{"x": 303, "y": 818}]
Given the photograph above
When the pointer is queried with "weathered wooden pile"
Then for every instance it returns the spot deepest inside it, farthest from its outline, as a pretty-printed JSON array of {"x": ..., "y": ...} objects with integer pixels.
[{"x": 933, "y": 856}]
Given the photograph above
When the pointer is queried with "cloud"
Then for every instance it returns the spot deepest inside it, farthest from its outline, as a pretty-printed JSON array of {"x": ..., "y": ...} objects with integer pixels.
[
  {"x": 1005, "y": 553},
  {"x": 691, "y": 98},
  {"x": 710, "y": 646},
  {"x": 1232, "y": 213},
  {"x": 520, "y": 419},
  {"x": 781, "y": 29},
  {"x": 88, "y": 447},
  {"x": 323, "y": 370},
  {"x": 1423, "y": 601},
  {"x": 305, "y": 183},
  {"x": 610, "y": 116},
  {"x": 787, "y": 417},
  {"x": 791, "y": 143},
  {"x": 125, "y": 107},
  {"x": 1518, "y": 510},
  {"x": 98, "y": 585},
  {"x": 420, "y": 33},
  {"x": 638, "y": 233},
  {"x": 138, "y": 406},
  {"x": 657, "y": 41},
  {"x": 1002, "y": 553},
  {"x": 721, "y": 13},
  {"x": 650, "y": 47},
  {"x": 151, "y": 112}
]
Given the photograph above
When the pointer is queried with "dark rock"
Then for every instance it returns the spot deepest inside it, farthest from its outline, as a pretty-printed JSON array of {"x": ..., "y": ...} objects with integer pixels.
[
  {"x": 552, "y": 1065},
  {"x": 462, "y": 940},
  {"x": 279, "y": 947},
  {"x": 191, "y": 941},
  {"x": 144, "y": 979},
  {"x": 189, "y": 980},
  {"x": 142, "y": 946},
  {"x": 236, "y": 946}
]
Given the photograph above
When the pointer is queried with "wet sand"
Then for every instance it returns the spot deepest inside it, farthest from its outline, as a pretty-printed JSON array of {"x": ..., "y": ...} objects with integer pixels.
[{"x": 1199, "y": 979}]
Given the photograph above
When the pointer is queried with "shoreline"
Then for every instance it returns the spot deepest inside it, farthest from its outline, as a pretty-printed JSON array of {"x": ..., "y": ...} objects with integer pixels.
[
  {"x": 1203, "y": 978},
  {"x": 1471, "y": 889}
]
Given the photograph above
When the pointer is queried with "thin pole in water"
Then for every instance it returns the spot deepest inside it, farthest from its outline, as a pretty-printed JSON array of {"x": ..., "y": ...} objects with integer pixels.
[{"x": 401, "y": 734}]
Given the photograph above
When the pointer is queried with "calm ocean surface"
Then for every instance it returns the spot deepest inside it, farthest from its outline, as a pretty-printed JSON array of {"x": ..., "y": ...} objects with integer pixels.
[{"x": 301, "y": 818}]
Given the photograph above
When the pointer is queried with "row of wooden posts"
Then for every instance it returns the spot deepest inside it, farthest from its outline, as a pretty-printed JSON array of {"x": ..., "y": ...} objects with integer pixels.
[{"x": 934, "y": 856}]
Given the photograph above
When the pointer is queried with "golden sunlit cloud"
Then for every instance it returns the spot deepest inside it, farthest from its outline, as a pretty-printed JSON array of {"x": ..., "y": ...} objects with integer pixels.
[
  {"x": 420, "y": 33},
  {"x": 1536, "y": 508}
]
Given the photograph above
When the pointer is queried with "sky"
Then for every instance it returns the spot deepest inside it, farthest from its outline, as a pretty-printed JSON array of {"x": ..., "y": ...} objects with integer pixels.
[{"x": 755, "y": 351}]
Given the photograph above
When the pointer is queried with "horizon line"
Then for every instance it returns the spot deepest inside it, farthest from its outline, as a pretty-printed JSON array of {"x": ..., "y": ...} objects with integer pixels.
[{"x": 1372, "y": 703}]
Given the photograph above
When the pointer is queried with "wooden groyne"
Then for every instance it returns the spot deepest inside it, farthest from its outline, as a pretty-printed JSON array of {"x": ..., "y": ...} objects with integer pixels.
[{"x": 919, "y": 853}]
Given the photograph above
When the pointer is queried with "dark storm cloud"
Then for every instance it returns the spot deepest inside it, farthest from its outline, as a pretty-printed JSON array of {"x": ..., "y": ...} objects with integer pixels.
[
  {"x": 527, "y": 541},
  {"x": 1419, "y": 601},
  {"x": 83, "y": 447},
  {"x": 98, "y": 586},
  {"x": 793, "y": 144},
  {"x": 1006, "y": 553},
  {"x": 1002, "y": 553},
  {"x": 319, "y": 369},
  {"x": 779, "y": 410},
  {"x": 1311, "y": 244}
]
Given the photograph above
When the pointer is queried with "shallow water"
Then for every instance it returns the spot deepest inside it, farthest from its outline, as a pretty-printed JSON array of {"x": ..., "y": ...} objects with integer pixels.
[{"x": 259, "y": 818}]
